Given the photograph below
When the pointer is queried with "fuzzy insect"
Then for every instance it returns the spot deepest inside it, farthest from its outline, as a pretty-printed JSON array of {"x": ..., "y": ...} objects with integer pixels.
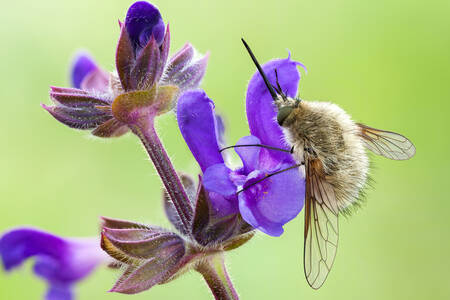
[{"x": 330, "y": 149}]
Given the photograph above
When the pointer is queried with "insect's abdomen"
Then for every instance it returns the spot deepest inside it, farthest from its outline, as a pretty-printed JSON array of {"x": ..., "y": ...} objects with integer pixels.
[{"x": 332, "y": 137}]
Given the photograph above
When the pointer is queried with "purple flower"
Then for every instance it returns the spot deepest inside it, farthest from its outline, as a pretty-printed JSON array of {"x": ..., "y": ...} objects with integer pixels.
[
  {"x": 153, "y": 255},
  {"x": 266, "y": 204},
  {"x": 147, "y": 82},
  {"x": 86, "y": 75},
  {"x": 61, "y": 262}
]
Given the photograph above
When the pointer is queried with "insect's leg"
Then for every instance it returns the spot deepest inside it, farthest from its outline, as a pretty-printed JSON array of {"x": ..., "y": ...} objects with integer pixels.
[
  {"x": 278, "y": 88},
  {"x": 259, "y": 145},
  {"x": 270, "y": 175}
]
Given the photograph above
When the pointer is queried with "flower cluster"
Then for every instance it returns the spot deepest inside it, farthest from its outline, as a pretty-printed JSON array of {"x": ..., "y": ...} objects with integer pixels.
[
  {"x": 217, "y": 213},
  {"x": 147, "y": 81}
]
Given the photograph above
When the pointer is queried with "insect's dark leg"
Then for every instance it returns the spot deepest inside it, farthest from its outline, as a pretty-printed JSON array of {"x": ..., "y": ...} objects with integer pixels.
[
  {"x": 270, "y": 175},
  {"x": 259, "y": 145}
]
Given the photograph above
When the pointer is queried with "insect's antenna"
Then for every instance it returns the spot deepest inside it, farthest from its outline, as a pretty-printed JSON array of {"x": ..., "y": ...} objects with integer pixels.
[
  {"x": 259, "y": 145},
  {"x": 263, "y": 75},
  {"x": 270, "y": 175}
]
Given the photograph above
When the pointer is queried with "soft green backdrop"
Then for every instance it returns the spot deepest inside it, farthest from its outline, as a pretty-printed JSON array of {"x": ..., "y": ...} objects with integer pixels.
[{"x": 386, "y": 62}]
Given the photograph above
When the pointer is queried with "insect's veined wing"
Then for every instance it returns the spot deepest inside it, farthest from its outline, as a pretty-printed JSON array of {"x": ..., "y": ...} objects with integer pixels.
[
  {"x": 321, "y": 225},
  {"x": 387, "y": 143}
]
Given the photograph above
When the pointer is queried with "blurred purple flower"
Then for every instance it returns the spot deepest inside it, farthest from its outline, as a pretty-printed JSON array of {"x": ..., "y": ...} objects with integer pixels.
[
  {"x": 267, "y": 204},
  {"x": 86, "y": 75},
  {"x": 147, "y": 83},
  {"x": 60, "y": 261}
]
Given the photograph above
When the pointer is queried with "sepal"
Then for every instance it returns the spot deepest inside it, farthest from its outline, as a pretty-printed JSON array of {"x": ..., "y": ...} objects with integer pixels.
[
  {"x": 169, "y": 208},
  {"x": 129, "y": 107},
  {"x": 152, "y": 254}
]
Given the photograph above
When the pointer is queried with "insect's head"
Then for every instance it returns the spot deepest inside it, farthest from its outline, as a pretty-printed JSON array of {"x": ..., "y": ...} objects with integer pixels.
[{"x": 284, "y": 103}]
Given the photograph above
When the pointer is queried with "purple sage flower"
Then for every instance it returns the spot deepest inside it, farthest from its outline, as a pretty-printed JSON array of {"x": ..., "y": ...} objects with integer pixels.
[
  {"x": 153, "y": 255},
  {"x": 60, "y": 261},
  {"x": 147, "y": 82},
  {"x": 86, "y": 75},
  {"x": 266, "y": 204}
]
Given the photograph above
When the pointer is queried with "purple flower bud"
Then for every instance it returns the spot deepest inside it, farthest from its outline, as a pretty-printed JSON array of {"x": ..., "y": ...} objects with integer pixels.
[
  {"x": 61, "y": 262},
  {"x": 144, "y": 21}
]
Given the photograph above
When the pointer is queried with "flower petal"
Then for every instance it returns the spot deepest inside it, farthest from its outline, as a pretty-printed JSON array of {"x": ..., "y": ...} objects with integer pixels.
[
  {"x": 273, "y": 202},
  {"x": 143, "y": 21},
  {"x": 19, "y": 244},
  {"x": 82, "y": 65},
  {"x": 217, "y": 179},
  {"x": 59, "y": 292},
  {"x": 60, "y": 261},
  {"x": 261, "y": 112},
  {"x": 249, "y": 155},
  {"x": 195, "y": 114}
]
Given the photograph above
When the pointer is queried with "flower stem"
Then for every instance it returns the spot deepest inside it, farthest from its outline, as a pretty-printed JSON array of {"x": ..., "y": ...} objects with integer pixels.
[
  {"x": 215, "y": 274},
  {"x": 145, "y": 130}
]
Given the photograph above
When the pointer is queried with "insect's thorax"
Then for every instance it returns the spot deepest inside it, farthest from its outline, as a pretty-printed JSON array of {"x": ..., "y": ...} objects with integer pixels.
[
  {"x": 318, "y": 127},
  {"x": 328, "y": 133}
]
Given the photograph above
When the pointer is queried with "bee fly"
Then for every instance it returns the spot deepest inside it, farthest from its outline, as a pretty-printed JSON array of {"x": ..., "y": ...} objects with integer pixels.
[{"x": 330, "y": 149}]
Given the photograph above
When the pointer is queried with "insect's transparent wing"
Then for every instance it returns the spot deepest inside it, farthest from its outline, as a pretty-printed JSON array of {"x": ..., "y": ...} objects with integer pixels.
[
  {"x": 321, "y": 226},
  {"x": 387, "y": 143}
]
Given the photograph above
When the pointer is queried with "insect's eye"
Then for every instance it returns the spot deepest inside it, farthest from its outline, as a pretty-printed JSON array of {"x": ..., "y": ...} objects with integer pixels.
[{"x": 283, "y": 113}]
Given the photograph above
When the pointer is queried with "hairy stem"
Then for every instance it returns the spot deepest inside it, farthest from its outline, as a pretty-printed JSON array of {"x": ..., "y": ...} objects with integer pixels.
[
  {"x": 145, "y": 130},
  {"x": 215, "y": 274}
]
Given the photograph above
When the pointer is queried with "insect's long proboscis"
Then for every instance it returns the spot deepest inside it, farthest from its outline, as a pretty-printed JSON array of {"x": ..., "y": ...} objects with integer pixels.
[{"x": 263, "y": 75}]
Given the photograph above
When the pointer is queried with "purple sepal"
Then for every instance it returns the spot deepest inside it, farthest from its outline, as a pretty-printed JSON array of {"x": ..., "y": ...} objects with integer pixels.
[
  {"x": 140, "y": 71},
  {"x": 125, "y": 59},
  {"x": 78, "y": 118},
  {"x": 78, "y": 109},
  {"x": 261, "y": 112},
  {"x": 138, "y": 243},
  {"x": 153, "y": 271},
  {"x": 97, "y": 80},
  {"x": 179, "y": 60},
  {"x": 150, "y": 253},
  {"x": 62, "y": 262},
  {"x": 111, "y": 128},
  {"x": 121, "y": 224},
  {"x": 184, "y": 72},
  {"x": 169, "y": 208},
  {"x": 213, "y": 227}
]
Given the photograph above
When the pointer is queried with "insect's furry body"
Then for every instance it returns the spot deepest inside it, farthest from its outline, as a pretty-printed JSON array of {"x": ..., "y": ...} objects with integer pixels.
[{"x": 330, "y": 135}]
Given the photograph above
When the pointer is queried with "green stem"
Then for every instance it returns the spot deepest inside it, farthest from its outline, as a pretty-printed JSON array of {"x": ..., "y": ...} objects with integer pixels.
[
  {"x": 145, "y": 130},
  {"x": 215, "y": 274}
]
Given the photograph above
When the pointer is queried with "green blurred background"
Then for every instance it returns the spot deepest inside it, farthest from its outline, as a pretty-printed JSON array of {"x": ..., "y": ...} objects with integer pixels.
[{"x": 385, "y": 62}]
